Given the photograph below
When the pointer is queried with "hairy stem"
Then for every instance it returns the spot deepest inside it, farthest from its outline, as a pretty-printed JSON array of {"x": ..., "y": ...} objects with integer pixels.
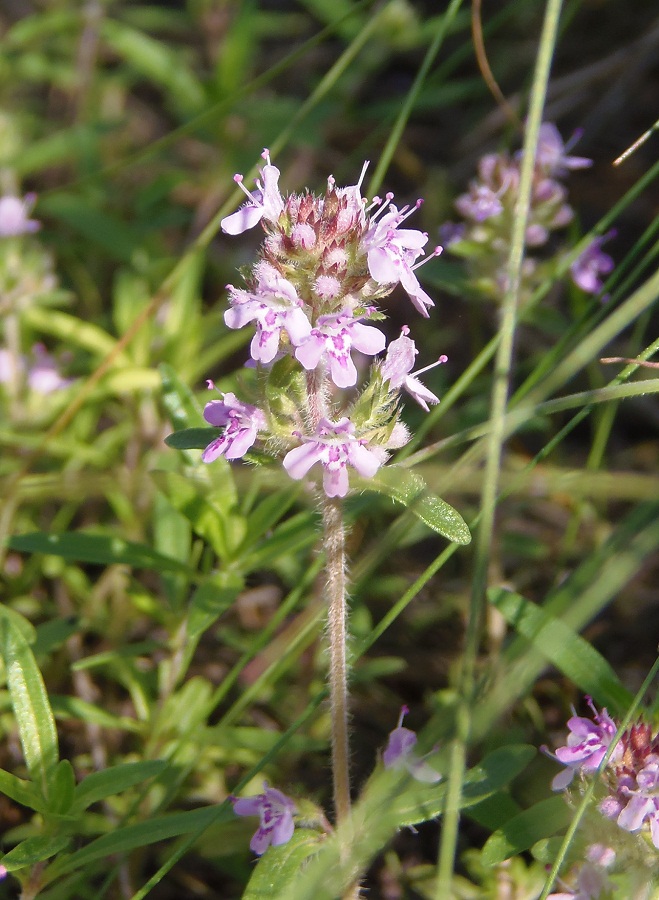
[{"x": 334, "y": 542}]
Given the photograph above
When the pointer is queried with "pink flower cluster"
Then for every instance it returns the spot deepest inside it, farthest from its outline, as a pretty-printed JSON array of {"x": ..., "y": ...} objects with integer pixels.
[
  {"x": 631, "y": 776},
  {"x": 311, "y": 298},
  {"x": 488, "y": 210}
]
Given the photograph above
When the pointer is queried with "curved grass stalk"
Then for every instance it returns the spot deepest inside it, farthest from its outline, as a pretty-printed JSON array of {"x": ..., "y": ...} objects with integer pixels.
[{"x": 499, "y": 399}]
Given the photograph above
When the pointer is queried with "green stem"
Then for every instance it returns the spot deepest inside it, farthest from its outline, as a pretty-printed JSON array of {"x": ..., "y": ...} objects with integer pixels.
[{"x": 499, "y": 399}]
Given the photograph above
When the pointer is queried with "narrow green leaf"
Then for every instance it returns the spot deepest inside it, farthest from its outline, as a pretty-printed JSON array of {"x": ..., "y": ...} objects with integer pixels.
[
  {"x": 210, "y": 600},
  {"x": 569, "y": 652},
  {"x": 20, "y": 791},
  {"x": 420, "y": 802},
  {"x": 521, "y": 832},
  {"x": 114, "y": 780},
  {"x": 34, "y": 850},
  {"x": 410, "y": 489},
  {"x": 34, "y": 717},
  {"x": 61, "y": 785},
  {"x": 96, "y": 548},
  {"x": 20, "y": 623},
  {"x": 277, "y": 868},
  {"x": 116, "y": 238},
  {"x": 123, "y": 840},
  {"x": 191, "y": 438},
  {"x": 182, "y": 407},
  {"x": 67, "y": 707},
  {"x": 157, "y": 61}
]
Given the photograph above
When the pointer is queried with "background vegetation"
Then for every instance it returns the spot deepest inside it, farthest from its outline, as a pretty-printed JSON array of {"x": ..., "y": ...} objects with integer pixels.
[{"x": 174, "y": 611}]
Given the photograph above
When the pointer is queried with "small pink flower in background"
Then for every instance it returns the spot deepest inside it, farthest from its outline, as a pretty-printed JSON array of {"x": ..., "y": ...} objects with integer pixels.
[
  {"x": 333, "y": 338},
  {"x": 276, "y": 813},
  {"x": 586, "y": 746},
  {"x": 43, "y": 374},
  {"x": 334, "y": 446},
  {"x": 14, "y": 216},
  {"x": 241, "y": 423},
  {"x": 399, "y": 753},
  {"x": 392, "y": 251},
  {"x": 40, "y": 369},
  {"x": 591, "y": 878},
  {"x": 275, "y": 307},
  {"x": 264, "y": 203},
  {"x": 643, "y": 805},
  {"x": 479, "y": 204},
  {"x": 593, "y": 262},
  {"x": 398, "y": 366},
  {"x": 551, "y": 153}
]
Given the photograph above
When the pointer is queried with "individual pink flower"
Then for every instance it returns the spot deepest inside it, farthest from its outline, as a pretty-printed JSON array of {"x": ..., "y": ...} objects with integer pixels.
[
  {"x": 333, "y": 338},
  {"x": 591, "y": 877},
  {"x": 643, "y": 805},
  {"x": 241, "y": 423},
  {"x": 43, "y": 373},
  {"x": 391, "y": 252},
  {"x": 14, "y": 216},
  {"x": 479, "y": 204},
  {"x": 398, "y": 365},
  {"x": 551, "y": 154},
  {"x": 264, "y": 203},
  {"x": 586, "y": 746},
  {"x": 399, "y": 753},
  {"x": 275, "y": 307},
  {"x": 334, "y": 446},
  {"x": 40, "y": 370},
  {"x": 275, "y": 810},
  {"x": 589, "y": 265}
]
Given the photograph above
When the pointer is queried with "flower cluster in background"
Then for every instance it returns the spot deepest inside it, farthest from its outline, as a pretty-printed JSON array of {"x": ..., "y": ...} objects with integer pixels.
[
  {"x": 484, "y": 236},
  {"x": 325, "y": 263},
  {"x": 627, "y": 795}
]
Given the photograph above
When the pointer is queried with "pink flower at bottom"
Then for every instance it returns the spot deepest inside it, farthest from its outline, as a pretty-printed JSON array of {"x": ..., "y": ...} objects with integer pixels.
[
  {"x": 14, "y": 214},
  {"x": 276, "y": 813},
  {"x": 399, "y": 753},
  {"x": 241, "y": 423},
  {"x": 334, "y": 446}
]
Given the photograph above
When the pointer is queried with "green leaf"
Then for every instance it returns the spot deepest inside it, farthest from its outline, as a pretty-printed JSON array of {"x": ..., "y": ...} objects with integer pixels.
[
  {"x": 61, "y": 785},
  {"x": 420, "y": 802},
  {"x": 191, "y": 438},
  {"x": 569, "y": 652},
  {"x": 161, "y": 64},
  {"x": 208, "y": 503},
  {"x": 291, "y": 536},
  {"x": 182, "y": 408},
  {"x": 280, "y": 865},
  {"x": 74, "y": 708},
  {"x": 34, "y": 850},
  {"x": 20, "y": 791},
  {"x": 210, "y": 600},
  {"x": 524, "y": 830},
  {"x": 117, "y": 239},
  {"x": 269, "y": 511},
  {"x": 113, "y": 780},
  {"x": 410, "y": 489},
  {"x": 34, "y": 717},
  {"x": 127, "y": 839},
  {"x": 96, "y": 548}
]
